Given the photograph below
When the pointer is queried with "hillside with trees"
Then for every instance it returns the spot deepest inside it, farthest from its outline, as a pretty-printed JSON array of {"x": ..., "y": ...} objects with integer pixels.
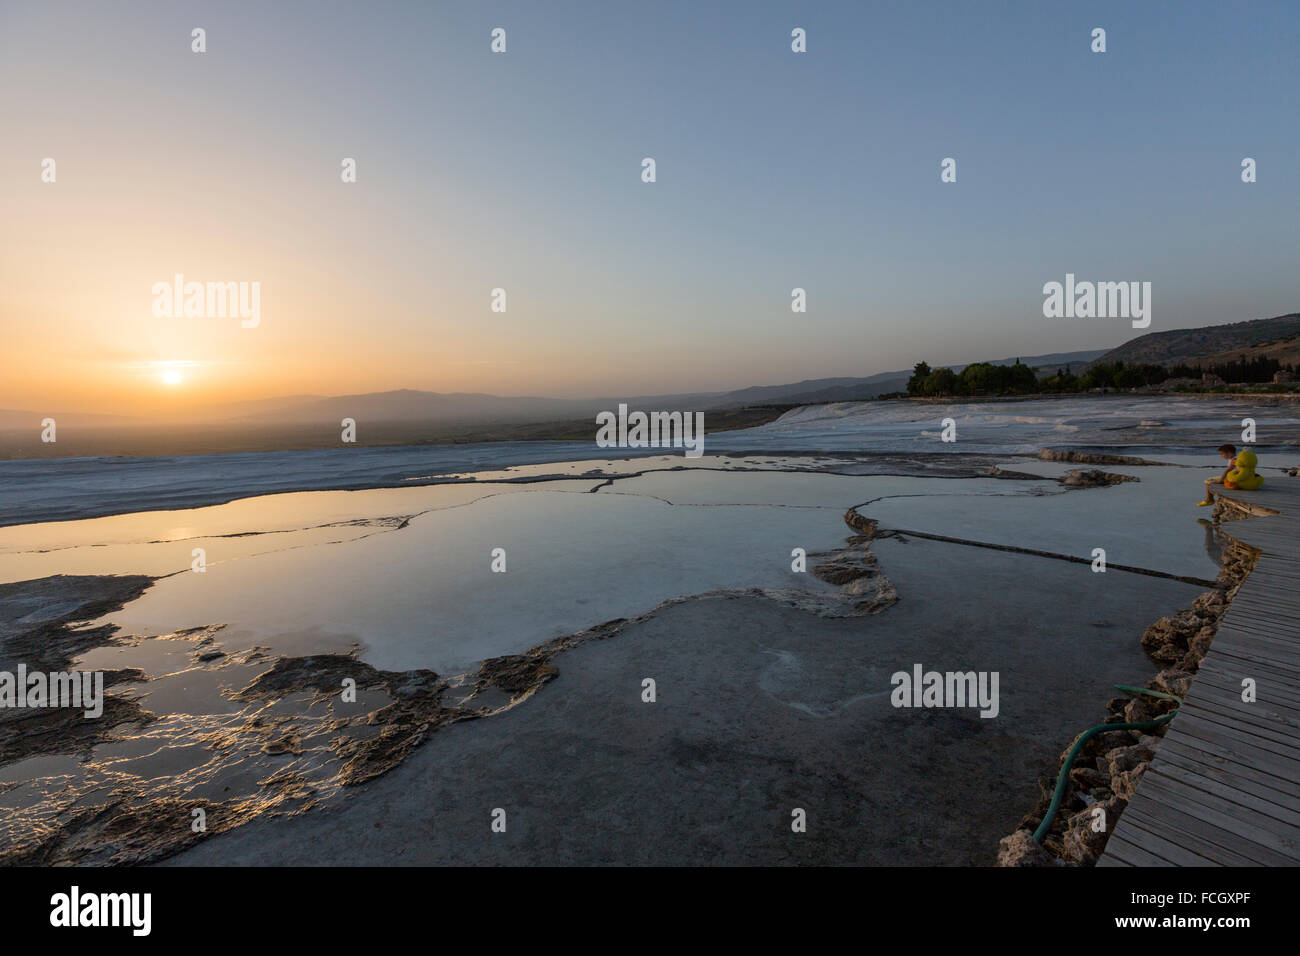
[
  {"x": 1277, "y": 338},
  {"x": 1238, "y": 356}
]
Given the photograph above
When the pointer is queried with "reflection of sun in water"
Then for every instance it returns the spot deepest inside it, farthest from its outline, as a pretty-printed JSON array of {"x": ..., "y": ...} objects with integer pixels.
[{"x": 171, "y": 377}]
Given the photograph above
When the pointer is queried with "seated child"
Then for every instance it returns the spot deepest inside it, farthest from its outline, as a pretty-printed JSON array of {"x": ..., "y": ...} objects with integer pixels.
[{"x": 1240, "y": 473}]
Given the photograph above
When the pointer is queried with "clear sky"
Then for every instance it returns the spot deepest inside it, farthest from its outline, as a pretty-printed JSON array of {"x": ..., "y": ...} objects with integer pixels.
[{"x": 522, "y": 170}]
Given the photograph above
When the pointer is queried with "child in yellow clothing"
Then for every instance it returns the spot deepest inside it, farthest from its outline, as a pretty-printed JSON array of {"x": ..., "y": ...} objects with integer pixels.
[{"x": 1240, "y": 473}]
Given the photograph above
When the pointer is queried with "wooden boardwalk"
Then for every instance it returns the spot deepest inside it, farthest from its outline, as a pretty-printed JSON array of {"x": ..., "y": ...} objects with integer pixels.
[{"x": 1224, "y": 787}]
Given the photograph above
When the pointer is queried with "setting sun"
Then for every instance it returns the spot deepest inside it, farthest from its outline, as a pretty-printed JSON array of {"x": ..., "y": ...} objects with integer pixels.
[{"x": 171, "y": 377}]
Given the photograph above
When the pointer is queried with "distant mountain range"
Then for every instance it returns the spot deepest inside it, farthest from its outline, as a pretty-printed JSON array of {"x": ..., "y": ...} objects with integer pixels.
[
  {"x": 16, "y": 418},
  {"x": 407, "y": 405},
  {"x": 1278, "y": 337},
  {"x": 476, "y": 408}
]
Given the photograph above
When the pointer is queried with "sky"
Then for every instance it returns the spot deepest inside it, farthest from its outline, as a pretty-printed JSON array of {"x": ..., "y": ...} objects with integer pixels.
[{"x": 522, "y": 170}]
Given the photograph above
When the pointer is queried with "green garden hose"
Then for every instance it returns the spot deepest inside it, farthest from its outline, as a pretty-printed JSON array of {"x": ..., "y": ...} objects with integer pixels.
[{"x": 1063, "y": 781}]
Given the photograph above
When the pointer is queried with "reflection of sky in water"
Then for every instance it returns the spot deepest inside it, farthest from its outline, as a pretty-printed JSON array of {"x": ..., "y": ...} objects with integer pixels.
[
  {"x": 42, "y": 490},
  {"x": 424, "y": 595},
  {"x": 325, "y": 571}
]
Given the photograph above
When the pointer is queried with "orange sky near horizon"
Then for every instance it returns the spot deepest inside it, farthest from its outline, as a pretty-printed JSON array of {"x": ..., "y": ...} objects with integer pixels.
[
  {"x": 81, "y": 280},
  {"x": 336, "y": 316},
  {"x": 522, "y": 171}
]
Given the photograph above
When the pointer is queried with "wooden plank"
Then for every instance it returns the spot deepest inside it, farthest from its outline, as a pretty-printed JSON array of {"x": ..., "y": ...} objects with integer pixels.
[
  {"x": 1265, "y": 585},
  {"x": 1247, "y": 631},
  {"x": 1267, "y": 667},
  {"x": 1265, "y": 528},
  {"x": 1217, "y": 660},
  {"x": 1232, "y": 631},
  {"x": 1213, "y": 727},
  {"x": 1139, "y": 832},
  {"x": 1247, "y": 654},
  {"x": 1256, "y": 665},
  {"x": 1265, "y": 716},
  {"x": 1276, "y": 568},
  {"x": 1124, "y": 851},
  {"x": 1273, "y": 569},
  {"x": 1231, "y": 793},
  {"x": 1259, "y": 593},
  {"x": 1224, "y": 786},
  {"x": 1224, "y": 690},
  {"x": 1195, "y": 762},
  {"x": 1269, "y": 618},
  {"x": 1207, "y": 724},
  {"x": 1226, "y": 684},
  {"x": 1207, "y": 737},
  {"x": 1230, "y": 758},
  {"x": 1277, "y": 651},
  {"x": 1221, "y": 679},
  {"x": 1266, "y": 614},
  {"x": 1267, "y": 753},
  {"x": 1246, "y": 828},
  {"x": 1266, "y": 595},
  {"x": 1268, "y": 719},
  {"x": 1195, "y": 836},
  {"x": 1206, "y": 842},
  {"x": 1270, "y": 652}
]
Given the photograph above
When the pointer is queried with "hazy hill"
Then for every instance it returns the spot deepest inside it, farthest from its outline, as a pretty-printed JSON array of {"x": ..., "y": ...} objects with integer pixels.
[
  {"x": 16, "y": 418},
  {"x": 409, "y": 416},
  {"x": 409, "y": 405},
  {"x": 846, "y": 390},
  {"x": 1278, "y": 337}
]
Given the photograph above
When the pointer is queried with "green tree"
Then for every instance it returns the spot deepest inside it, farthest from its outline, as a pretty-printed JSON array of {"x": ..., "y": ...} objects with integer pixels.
[
  {"x": 979, "y": 379},
  {"x": 1129, "y": 377},
  {"x": 916, "y": 384},
  {"x": 942, "y": 381},
  {"x": 1018, "y": 378}
]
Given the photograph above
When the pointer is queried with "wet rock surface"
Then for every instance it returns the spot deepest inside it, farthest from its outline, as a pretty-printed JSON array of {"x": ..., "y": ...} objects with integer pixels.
[
  {"x": 1093, "y": 478},
  {"x": 255, "y": 739},
  {"x": 1021, "y": 849},
  {"x": 855, "y": 571},
  {"x": 1093, "y": 458},
  {"x": 290, "y": 741},
  {"x": 275, "y": 735},
  {"x": 1179, "y": 642},
  {"x": 761, "y": 708},
  {"x": 40, "y": 630}
]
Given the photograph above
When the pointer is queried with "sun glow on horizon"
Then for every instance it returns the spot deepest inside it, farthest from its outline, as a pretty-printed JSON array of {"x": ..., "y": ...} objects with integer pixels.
[{"x": 172, "y": 373}]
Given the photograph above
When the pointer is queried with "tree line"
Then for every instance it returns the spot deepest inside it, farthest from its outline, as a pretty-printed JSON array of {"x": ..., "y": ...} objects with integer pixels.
[{"x": 983, "y": 378}]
